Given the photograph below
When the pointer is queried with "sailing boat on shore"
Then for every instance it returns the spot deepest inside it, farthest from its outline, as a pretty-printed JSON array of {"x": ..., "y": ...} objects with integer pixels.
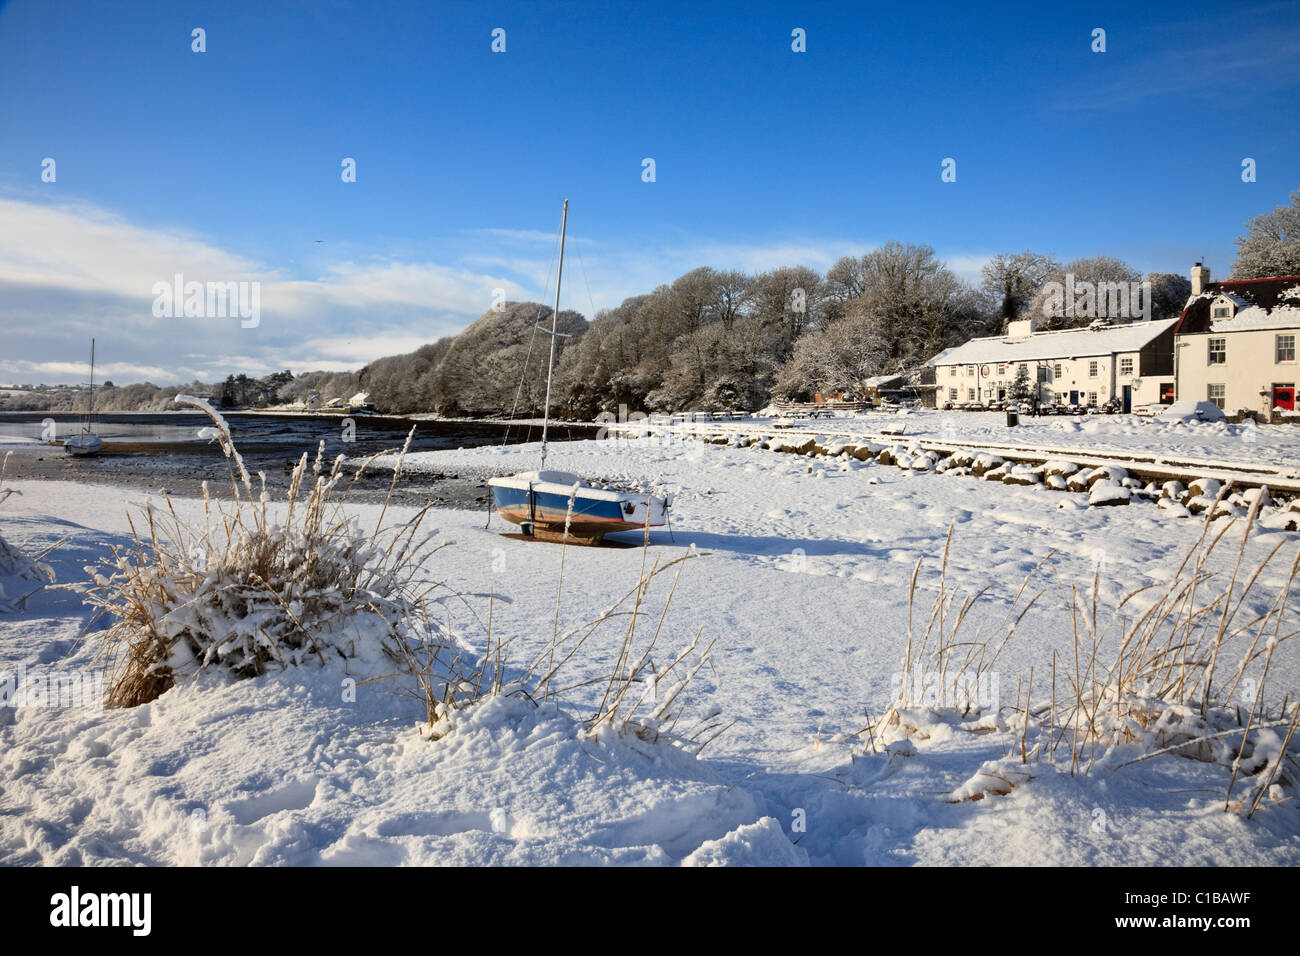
[
  {"x": 86, "y": 442},
  {"x": 558, "y": 505}
]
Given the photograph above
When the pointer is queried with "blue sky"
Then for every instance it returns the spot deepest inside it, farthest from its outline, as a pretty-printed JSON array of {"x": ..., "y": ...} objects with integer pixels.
[{"x": 225, "y": 165}]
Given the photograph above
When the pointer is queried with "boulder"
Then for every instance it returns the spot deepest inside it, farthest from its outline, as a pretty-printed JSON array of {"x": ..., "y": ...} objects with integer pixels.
[
  {"x": 1173, "y": 489},
  {"x": 1077, "y": 481},
  {"x": 1110, "y": 473},
  {"x": 1021, "y": 475},
  {"x": 1173, "y": 508},
  {"x": 982, "y": 464},
  {"x": 1059, "y": 467},
  {"x": 1108, "y": 494}
]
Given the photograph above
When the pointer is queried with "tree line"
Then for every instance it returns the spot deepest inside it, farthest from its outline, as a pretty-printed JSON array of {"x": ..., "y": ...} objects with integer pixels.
[{"x": 724, "y": 339}]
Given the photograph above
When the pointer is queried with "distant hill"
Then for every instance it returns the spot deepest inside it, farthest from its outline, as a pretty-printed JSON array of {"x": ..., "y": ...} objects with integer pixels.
[{"x": 479, "y": 371}]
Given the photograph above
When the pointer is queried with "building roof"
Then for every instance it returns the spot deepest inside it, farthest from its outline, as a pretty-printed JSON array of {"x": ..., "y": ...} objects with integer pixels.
[
  {"x": 1272, "y": 303},
  {"x": 877, "y": 381},
  {"x": 1062, "y": 344}
]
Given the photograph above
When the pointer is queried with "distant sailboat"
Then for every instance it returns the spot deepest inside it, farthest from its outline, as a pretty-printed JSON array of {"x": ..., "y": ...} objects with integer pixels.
[
  {"x": 557, "y": 505},
  {"x": 87, "y": 442}
]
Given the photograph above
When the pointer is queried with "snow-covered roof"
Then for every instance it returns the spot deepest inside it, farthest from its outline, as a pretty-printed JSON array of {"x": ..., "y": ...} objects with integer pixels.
[
  {"x": 878, "y": 380},
  {"x": 1063, "y": 344},
  {"x": 1272, "y": 303}
]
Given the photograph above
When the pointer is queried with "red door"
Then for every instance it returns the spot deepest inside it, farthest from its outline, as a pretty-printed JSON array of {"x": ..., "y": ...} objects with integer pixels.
[{"x": 1284, "y": 397}]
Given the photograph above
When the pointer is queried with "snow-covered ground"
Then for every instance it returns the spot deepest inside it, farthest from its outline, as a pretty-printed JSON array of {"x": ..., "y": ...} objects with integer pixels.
[{"x": 803, "y": 578}]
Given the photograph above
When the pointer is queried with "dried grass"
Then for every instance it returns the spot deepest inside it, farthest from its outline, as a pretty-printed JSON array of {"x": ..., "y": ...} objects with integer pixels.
[
  {"x": 244, "y": 590},
  {"x": 1143, "y": 679}
]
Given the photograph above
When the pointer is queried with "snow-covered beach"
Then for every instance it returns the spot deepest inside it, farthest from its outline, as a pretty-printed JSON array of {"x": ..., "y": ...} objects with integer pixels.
[{"x": 803, "y": 577}]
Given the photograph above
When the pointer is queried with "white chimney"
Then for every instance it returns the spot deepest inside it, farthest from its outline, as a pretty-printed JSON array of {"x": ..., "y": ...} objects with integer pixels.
[
  {"x": 1200, "y": 278},
  {"x": 1022, "y": 329}
]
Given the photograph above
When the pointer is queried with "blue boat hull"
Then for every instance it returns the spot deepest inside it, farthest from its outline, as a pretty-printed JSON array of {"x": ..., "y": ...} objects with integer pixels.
[{"x": 545, "y": 510}]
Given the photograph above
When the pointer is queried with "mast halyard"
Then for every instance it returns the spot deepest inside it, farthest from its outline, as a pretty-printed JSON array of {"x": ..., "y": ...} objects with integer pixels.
[{"x": 555, "y": 314}]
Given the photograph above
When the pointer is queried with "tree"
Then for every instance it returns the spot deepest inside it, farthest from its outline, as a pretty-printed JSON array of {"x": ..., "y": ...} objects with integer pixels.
[
  {"x": 839, "y": 357},
  {"x": 1092, "y": 276},
  {"x": 1010, "y": 281},
  {"x": 1271, "y": 245},
  {"x": 1169, "y": 293},
  {"x": 1021, "y": 390},
  {"x": 920, "y": 306},
  {"x": 789, "y": 301}
]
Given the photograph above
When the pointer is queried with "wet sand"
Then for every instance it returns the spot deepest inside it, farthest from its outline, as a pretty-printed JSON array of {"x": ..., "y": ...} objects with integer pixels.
[
  {"x": 270, "y": 444},
  {"x": 149, "y": 470}
]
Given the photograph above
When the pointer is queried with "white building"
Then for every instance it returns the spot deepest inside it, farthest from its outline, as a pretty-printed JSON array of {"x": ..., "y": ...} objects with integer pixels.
[
  {"x": 1131, "y": 362},
  {"x": 1236, "y": 342}
]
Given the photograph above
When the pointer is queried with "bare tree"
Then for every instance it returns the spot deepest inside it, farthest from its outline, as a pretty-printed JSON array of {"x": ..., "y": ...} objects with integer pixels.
[{"x": 1010, "y": 281}]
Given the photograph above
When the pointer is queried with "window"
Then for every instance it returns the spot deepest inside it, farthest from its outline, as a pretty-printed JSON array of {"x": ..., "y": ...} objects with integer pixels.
[
  {"x": 1092, "y": 369},
  {"x": 1002, "y": 370},
  {"x": 1126, "y": 366},
  {"x": 952, "y": 394},
  {"x": 970, "y": 394},
  {"x": 1286, "y": 348},
  {"x": 1218, "y": 351},
  {"x": 1092, "y": 398},
  {"x": 1217, "y": 394},
  {"x": 1042, "y": 374},
  {"x": 1222, "y": 312},
  {"x": 1023, "y": 370},
  {"x": 952, "y": 371},
  {"x": 1058, "y": 370}
]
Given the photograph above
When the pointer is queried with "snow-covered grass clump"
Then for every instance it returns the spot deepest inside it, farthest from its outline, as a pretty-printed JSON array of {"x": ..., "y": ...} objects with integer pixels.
[
  {"x": 247, "y": 587},
  {"x": 1180, "y": 669}
]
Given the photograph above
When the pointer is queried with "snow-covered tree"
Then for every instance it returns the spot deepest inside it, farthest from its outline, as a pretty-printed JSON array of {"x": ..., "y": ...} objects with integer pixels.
[
  {"x": 1010, "y": 281},
  {"x": 839, "y": 357},
  {"x": 1271, "y": 245},
  {"x": 1094, "y": 272},
  {"x": 1169, "y": 293}
]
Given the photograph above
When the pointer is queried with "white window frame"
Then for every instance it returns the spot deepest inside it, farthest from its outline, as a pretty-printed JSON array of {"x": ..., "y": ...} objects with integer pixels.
[
  {"x": 1092, "y": 369},
  {"x": 1277, "y": 349},
  {"x": 1126, "y": 365},
  {"x": 1222, "y": 398},
  {"x": 1221, "y": 351}
]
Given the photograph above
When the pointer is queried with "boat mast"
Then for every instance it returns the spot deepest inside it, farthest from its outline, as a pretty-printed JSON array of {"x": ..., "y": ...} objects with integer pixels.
[
  {"x": 555, "y": 314},
  {"x": 90, "y": 419}
]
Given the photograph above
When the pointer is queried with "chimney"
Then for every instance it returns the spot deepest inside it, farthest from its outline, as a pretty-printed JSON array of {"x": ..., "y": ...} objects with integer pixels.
[{"x": 1200, "y": 278}]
